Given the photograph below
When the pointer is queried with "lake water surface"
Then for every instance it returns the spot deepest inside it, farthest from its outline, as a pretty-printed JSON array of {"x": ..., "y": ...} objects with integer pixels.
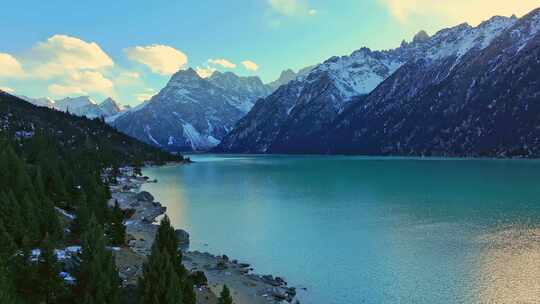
[{"x": 367, "y": 230}]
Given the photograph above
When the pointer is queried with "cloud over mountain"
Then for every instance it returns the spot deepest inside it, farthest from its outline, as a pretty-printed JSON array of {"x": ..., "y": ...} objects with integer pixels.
[
  {"x": 161, "y": 59},
  {"x": 223, "y": 63},
  {"x": 61, "y": 55},
  {"x": 250, "y": 65},
  {"x": 9, "y": 66},
  {"x": 472, "y": 11}
]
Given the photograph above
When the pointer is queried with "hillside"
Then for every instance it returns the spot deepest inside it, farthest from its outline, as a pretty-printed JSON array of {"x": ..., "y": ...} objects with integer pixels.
[{"x": 20, "y": 119}]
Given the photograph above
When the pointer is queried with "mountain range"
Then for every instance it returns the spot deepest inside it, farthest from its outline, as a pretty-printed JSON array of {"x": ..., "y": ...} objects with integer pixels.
[
  {"x": 80, "y": 106},
  {"x": 192, "y": 113},
  {"x": 465, "y": 91}
]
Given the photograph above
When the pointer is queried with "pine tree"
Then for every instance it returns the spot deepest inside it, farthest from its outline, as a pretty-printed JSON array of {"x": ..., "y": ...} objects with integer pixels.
[
  {"x": 118, "y": 230},
  {"x": 7, "y": 246},
  {"x": 48, "y": 284},
  {"x": 82, "y": 216},
  {"x": 187, "y": 291},
  {"x": 7, "y": 292},
  {"x": 225, "y": 296},
  {"x": 97, "y": 280},
  {"x": 11, "y": 213},
  {"x": 23, "y": 271},
  {"x": 49, "y": 224},
  {"x": 167, "y": 240},
  {"x": 159, "y": 283}
]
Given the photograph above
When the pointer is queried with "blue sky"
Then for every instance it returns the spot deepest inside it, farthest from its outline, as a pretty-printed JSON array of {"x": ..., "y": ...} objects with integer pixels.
[{"x": 128, "y": 49}]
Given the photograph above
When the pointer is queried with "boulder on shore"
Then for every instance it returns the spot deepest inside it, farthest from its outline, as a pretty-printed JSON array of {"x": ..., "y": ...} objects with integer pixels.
[
  {"x": 183, "y": 237},
  {"x": 145, "y": 196}
]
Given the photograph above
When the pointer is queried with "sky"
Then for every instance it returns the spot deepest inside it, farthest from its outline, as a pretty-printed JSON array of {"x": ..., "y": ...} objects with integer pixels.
[{"x": 129, "y": 49}]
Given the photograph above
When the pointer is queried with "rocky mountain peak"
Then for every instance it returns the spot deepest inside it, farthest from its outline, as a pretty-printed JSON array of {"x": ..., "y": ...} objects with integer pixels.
[
  {"x": 75, "y": 102},
  {"x": 185, "y": 76},
  {"x": 109, "y": 107},
  {"x": 287, "y": 75},
  {"x": 420, "y": 37}
]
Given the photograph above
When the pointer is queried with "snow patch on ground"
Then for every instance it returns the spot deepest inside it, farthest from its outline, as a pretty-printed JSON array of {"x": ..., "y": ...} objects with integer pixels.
[{"x": 65, "y": 213}]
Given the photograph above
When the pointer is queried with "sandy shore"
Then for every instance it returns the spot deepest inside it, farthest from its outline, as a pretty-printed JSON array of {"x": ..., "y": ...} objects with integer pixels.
[{"x": 246, "y": 287}]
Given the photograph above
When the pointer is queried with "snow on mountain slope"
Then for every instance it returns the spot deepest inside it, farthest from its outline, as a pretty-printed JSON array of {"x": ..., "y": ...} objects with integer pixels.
[
  {"x": 40, "y": 102},
  {"x": 109, "y": 107},
  {"x": 319, "y": 97},
  {"x": 80, "y": 106},
  {"x": 190, "y": 112},
  {"x": 483, "y": 102},
  {"x": 244, "y": 90}
]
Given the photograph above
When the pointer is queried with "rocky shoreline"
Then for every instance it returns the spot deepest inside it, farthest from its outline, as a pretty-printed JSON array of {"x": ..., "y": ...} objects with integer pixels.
[{"x": 144, "y": 212}]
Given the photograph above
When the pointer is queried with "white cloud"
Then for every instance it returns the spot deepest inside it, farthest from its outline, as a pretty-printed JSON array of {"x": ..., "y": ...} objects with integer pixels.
[
  {"x": 60, "y": 55},
  {"x": 127, "y": 78},
  {"x": 205, "y": 72},
  {"x": 83, "y": 82},
  {"x": 472, "y": 11},
  {"x": 161, "y": 59},
  {"x": 7, "y": 90},
  {"x": 10, "y": 67},
  {"x": 292, "y": 7},
  {"x": 250, "y": 65},
  {"x": 222, "y": 62},
  {"x": 91, "y": 81},
  {"x": 63, "y": 90},
  {"x": 133, "y": 75}
]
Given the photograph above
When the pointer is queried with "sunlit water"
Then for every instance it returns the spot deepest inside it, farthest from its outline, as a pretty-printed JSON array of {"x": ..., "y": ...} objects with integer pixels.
[{"x": 367, "y": 230}]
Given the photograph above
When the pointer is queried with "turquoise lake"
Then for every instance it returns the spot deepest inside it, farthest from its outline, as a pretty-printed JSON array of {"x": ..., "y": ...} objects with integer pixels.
[{"x": 367, "y": 230}]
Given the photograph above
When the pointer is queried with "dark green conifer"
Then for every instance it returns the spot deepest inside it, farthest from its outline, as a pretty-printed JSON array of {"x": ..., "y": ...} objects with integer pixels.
[
  {"x": 159, "y": 283},
  {"x": 118, "y": 230},
  {"x": 97, "y": 280},
  {"x": 49, "y": 286},
  {"x": 7, "y": 246},
  {"x": 7, "y": 292},
  {"x": 23, "y": 271},
  {"x": 82, "y": 216},
  {"x": 167, "y": 240},
  {"x": 225, "y": 296}
]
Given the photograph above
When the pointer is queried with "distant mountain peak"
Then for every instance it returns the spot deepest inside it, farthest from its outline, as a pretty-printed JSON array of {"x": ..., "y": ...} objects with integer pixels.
[
  {"x": 192, "y": 113},
  {"x": 188, "y": 78},
  {"x": 109, "y": 107},
  {"x": 75, "y": 102},
  {"x": 420, "y": 37},
  {"x": 109, "y": 100},
  {"x": 187, "y": 73},
  {"x": 40, "y": 102},
  {"x": 288, "y": 75}
]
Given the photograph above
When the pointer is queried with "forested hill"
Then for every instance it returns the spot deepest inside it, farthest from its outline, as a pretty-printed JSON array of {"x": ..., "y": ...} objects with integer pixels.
[
  {"x": 54, "y": 200},
  {"x": 20, "y": 119}
]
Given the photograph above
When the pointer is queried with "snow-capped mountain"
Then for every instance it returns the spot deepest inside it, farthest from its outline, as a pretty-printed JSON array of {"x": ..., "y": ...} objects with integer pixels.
[
  {"x": 245, "y": 90},
  {"x": 478, "y": 101},
  {"x": 80, "y": 106},
  {"x": 287, "y": 76},
  {"x": 40, "y": 102},
  {"x": 192, "y": 113},
  {"x": 294, "y": 118},
  {"x": 109, "y": 107}
]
